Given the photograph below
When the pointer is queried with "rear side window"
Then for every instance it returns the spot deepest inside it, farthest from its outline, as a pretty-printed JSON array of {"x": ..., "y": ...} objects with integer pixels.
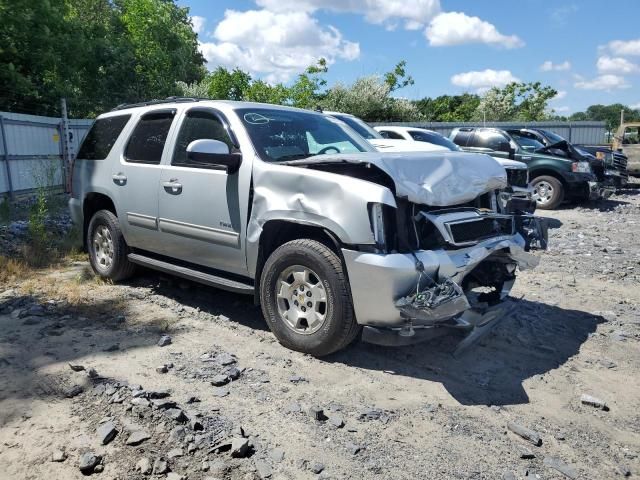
[
  {"x": 462, "y": 137},
  {"x": 391, "y": 134},
  {"x": 198, "y": 125},
  {"x": 101, "y": 137},
  {"x": 148, "y": 138},
  {"x": 492, "y": 140}
]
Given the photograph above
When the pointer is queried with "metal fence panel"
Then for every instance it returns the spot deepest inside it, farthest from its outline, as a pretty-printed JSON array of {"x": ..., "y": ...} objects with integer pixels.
[
  {"x": 33, "y": 150},
  {"x": 575, "y": 132}
]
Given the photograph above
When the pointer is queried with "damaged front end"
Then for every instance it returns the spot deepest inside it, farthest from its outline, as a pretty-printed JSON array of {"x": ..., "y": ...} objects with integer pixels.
[{"x": 456, "y": 272}]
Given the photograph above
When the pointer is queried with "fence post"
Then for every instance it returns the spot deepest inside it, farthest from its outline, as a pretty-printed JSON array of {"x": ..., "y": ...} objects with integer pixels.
[
  {"x": 6, "y": 156},
  {"x": 66, "y": 152}
]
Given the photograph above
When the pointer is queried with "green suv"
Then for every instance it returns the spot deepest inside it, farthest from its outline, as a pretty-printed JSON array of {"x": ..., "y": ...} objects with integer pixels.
[{"x": 553, "y": 179}]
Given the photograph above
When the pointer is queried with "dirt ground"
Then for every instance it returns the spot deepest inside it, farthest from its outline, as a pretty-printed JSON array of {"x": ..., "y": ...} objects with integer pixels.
[{"x": 389, "y": 413}]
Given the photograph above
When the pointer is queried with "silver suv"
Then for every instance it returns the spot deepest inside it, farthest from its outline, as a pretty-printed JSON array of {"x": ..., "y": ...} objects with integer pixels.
[{"x": 295, "y": 208}]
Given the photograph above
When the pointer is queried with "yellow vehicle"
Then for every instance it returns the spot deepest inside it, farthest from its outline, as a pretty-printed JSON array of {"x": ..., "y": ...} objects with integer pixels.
[{"x": 627, "y": 141}]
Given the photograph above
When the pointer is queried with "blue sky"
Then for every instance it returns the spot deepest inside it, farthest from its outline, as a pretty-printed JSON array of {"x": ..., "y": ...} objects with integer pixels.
[{"x": 587, "y": 50}]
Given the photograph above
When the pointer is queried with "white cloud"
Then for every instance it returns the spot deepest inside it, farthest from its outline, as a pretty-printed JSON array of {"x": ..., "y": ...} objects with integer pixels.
[
  {"x": 457, "y": 28},
  {"x": 414, "y": 13},
  {"x": 198, "y": 23},
  {"x": 623, "y": 48},
  {"x": 607, "y": 64},
  {"x": 560, "y": 95},
  {"x": 602, "y": 82},
  {"x": 483, "y": 80},
  {"x": 549, "y": 66},
  {"x": 278, "y": 45}
]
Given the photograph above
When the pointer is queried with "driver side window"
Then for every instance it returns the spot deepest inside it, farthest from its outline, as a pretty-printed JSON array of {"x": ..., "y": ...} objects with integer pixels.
[{"x": 198, "y": 125}]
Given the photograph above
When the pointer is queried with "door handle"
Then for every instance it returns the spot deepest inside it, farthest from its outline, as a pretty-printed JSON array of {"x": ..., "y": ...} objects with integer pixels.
[
  {"x": 119, "y": 178},
  {"x": 172, "y": 187}
]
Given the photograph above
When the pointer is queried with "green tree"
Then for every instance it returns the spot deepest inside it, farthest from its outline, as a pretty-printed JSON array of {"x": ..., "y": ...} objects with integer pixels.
[
  {"x": 449, "y": 108},
  {"x": 607, "y": 113},
  {"x": 305, "y": 92},
  {"x": 516, "y": 101}
]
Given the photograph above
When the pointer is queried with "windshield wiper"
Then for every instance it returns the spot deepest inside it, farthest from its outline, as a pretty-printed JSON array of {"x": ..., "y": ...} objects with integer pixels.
[{"x": 297, "y": 156}]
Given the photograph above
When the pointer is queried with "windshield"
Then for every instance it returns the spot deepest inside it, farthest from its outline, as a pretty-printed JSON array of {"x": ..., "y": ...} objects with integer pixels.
[
  {"x": 434, "y": 138},
  {"x": 364, "y": 130},
  {"x": 526, "y": 140},
  {"x": 553, "y": 137},
  {"x": 280, "y": 135}
]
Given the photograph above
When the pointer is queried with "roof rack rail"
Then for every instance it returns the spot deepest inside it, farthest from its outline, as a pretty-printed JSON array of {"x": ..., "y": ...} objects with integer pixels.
[{"x": 122, "y": 106}]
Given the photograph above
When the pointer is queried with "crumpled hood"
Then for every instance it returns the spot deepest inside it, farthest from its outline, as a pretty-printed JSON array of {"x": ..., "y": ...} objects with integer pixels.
[{"x": 437, "y": 179}]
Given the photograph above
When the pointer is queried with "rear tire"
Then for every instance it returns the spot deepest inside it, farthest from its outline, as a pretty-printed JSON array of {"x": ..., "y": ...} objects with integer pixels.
[
  {"x": 548, "y": 192},
  {"x": 107, "y": 247},
  {"x": 305, "y": 298}
]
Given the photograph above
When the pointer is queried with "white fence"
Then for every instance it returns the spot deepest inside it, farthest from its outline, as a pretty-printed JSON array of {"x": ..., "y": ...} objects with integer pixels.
[{"x": 32, "y": 150}]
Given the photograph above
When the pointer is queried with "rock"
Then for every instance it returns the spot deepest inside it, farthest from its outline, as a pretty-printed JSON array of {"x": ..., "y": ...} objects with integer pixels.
[
  {"x": 524, "y": 452},
  {"x": 352, "y": 448},
  {"x": 58, "y": 456},
  {"x": 623, "y": 470},
  {"x": 336, "y": 420},
  {"x": 160, "y": 466},
  {"x": 317, "y": 468},
  {"x": 164, "y": 341},
  {"x": 88, "y": 462},
  {"x": 98, "y": 468},
  {"x": 370, "y": 414},
  {"x": 163, "y": 404},
  {"x": 593, "y": 402},
  {"x": 193, "y": 399},
  {"x": 508, "y": 475},
  {"x": 225, "y": 359},
  {"x": 140, "y": 402},
  {"x": 297, "y": 379},
  {"x": 174, "y": 453},
  {"x": 559, "y": 465},
  {"x": 157, "y": 394},
  {"x": 195, "y": 424},
  {"x": 76, "y": 368},
  {"x": 73, "y": 391},
  {"x": 317, "y": 413},
  {"x": 106, "y": 432},
  {"x": 276, "y": 455},
  {"x": 238, "y": 432},
  {"x": 144, "y": 466},
  {"x": 176, "y": 414},
  {"x": 137, "y": 437},
  {"x": 220, "y": 392},
  {"x": 112, "y": 348},
  {"x": 239, "y": 447},
  {"x": 174, "y": 476},
  {"x": 219, "y": 380},
  {"x": 162, "y": 369},
  {"x": 93, "y": 373},
  {"x": 263, "y": 468},
  {"x": 178, "y": 434},
  {"x": 233, "y": 373},
  {"x": 525, "y": 433}
]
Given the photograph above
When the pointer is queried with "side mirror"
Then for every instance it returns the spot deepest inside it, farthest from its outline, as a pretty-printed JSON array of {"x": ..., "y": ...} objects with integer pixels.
[{"x": 213, "y": 154}]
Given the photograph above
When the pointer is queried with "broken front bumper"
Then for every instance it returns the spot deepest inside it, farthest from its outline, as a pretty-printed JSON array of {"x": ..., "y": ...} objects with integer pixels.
[
  {"x": 598, "y": 190},
  {"x": 378, "y": 281}
]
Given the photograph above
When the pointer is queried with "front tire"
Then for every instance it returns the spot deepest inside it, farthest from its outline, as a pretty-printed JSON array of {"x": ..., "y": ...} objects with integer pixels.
[
  {"x": 548, "y": 192},
  {"x": 107, "y": 247},
  {"x": 305, "y": 298}
]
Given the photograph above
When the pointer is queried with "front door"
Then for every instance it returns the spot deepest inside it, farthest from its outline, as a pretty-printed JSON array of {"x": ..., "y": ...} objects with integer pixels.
[
  {"x": 136, "y": 177},
  {"x": 199, "y": 210}
]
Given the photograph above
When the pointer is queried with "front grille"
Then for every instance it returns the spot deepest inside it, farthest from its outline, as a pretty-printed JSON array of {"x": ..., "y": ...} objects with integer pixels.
[
  {"x": 517, "y": 177},
  {"x": 620, "y": 163},
  {"x": 471, "y": 231}
]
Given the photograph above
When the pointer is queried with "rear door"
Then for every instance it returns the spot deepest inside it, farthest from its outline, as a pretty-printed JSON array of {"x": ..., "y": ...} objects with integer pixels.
[
  {"x": 490, "y": 142},
  {"x": 199, "y": 210},
  {"x": 136, "y": 177}
]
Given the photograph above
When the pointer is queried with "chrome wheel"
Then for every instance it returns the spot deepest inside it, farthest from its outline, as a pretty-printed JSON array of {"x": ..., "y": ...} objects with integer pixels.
[
  {"x": 301, "y": 299},
  {"x": 103, "y": 246},
  {"x": 543, "y": 192}
]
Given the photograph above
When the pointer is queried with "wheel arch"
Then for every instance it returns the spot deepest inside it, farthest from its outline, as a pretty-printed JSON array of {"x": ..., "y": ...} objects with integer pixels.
[{"x": 93, "y": 202}]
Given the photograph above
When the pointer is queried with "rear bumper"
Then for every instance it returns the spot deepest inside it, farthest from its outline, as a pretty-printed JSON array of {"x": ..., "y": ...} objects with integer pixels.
[{"x": 378, "y": 281}]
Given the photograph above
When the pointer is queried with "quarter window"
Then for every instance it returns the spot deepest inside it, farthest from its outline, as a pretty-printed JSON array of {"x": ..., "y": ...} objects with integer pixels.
[
  {"x": 391, "y": 134},
  {"x": 492, "y": 140},
  {"x": 101, "y": 138},
  {"x": 462, "y": 137},
  {"x": 198, "y": 125},
  {"x": 148, "y": 138}
]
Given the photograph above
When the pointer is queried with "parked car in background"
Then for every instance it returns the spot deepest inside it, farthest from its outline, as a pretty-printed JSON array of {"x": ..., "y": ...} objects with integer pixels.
[
  {"x": 610, "y": 170},
  {"x": 330, "y": 236},
  {"x": 552, "y": 178},
  {"x": 380, "y": 142},
  {"x": 415, "y": 134},
  {"x": 625, "y": 148}
]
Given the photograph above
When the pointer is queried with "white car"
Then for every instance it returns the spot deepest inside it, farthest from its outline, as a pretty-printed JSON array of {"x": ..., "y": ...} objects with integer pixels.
[
  {"x": 381, "y": 143},
  {"x": 414, "y": 134}
]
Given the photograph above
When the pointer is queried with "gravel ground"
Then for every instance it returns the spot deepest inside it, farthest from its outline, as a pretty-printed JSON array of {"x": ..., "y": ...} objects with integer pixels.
[{"x": 85, "y": 384}]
